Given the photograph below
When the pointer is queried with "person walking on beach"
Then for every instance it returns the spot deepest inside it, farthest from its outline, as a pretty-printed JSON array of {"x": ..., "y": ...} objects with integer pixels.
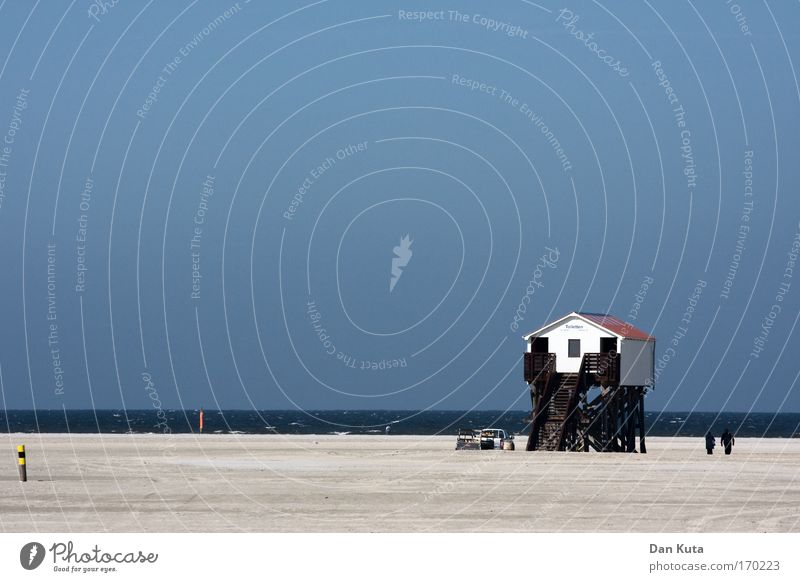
[
  {"x": 727, "y": 441},
  {"x": 710, "y": 443}
]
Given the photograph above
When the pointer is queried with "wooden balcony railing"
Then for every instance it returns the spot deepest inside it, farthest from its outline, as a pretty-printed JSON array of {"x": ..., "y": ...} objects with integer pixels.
[
  {"x": 538, "y": 365},
  {"x": 605, "y": 366}
]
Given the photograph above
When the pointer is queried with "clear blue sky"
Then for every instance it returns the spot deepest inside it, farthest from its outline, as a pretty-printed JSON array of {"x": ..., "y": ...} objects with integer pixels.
[{"x": 202, "y": 200}]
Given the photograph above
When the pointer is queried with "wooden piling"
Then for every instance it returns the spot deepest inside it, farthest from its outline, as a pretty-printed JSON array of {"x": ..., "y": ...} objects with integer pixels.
[
  {"x": 642, "y": 447},
  {"x": 632, "y": 411}
]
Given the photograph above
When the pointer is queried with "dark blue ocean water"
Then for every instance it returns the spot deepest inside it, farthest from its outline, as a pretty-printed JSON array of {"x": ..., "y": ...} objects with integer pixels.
[{"x": 367, "y": 422}]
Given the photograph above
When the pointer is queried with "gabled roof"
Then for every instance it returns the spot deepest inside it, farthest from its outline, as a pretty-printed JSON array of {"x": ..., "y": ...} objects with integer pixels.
[{"x": 611, "y": 324}]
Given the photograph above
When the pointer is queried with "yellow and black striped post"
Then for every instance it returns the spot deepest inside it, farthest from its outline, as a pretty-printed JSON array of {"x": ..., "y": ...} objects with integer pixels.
[{"x": 23, "y": 468}]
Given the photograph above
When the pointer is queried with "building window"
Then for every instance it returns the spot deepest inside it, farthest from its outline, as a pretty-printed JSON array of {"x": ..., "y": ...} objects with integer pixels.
[{"x": 574, "y": 348}]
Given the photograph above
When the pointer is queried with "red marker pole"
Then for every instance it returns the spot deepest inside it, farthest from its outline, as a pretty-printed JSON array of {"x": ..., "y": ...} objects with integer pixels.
[{"x": 201, "y": 420}]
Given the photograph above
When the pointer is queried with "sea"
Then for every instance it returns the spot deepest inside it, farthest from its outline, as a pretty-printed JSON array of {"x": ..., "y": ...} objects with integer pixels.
[{"x": 365, "y": 422}]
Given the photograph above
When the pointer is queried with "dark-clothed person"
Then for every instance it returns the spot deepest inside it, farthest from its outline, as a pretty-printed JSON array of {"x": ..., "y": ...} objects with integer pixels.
[
  {"x": 710, "y": 443},
  {"x": 727, "y": 441}
]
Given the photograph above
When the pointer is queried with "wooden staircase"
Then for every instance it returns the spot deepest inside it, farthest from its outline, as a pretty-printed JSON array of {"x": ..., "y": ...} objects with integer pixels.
[
  {"x": 564, "y": 420},
  {"x": 551, "y": 432}
]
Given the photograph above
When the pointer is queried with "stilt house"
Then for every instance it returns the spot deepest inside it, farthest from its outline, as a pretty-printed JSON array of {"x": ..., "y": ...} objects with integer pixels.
[{"x": 588, "y": 374}]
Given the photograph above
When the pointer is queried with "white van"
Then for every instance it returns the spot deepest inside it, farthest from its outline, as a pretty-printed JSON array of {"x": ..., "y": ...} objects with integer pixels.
[{"x": 494, "y": 438}]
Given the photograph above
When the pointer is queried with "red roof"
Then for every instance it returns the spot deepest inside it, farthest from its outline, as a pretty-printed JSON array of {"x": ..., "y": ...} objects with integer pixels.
[{"x": 617, "y": 326}]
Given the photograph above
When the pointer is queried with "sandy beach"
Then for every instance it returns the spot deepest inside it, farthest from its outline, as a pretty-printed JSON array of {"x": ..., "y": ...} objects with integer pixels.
[{"x": 391, "y": 484}]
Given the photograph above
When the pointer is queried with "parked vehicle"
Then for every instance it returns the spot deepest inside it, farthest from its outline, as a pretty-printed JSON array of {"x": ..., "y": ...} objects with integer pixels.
[
  {"x": 468, "y": 439},
  {"x": 494, "y": 438}
]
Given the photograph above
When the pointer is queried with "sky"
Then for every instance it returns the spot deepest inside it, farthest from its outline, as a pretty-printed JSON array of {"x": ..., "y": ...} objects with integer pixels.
[{"x": 365, "y": 205}]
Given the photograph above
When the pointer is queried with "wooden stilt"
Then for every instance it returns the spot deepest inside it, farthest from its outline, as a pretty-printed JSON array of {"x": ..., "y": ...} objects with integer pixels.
[
  {"x": 642, "y": 446},
  {"x": 530, "y": 446},
  {"x": 614, "y": 428},
  {"x": 565, "y": 418},
  {"x": 633, "y": 405}
]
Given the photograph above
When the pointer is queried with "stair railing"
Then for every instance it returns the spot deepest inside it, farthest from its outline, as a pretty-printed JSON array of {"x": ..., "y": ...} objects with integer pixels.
[
  {"x": 605, "y": 367},
  {"x": 572, "y": 404},
  {"x": 542, "y": 373}
]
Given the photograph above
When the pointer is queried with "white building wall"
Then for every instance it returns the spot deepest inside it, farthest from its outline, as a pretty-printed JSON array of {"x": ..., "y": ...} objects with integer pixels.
[
  {"x": 637, "y": 357},
  {"x": 573, "y": 328},
  {"x": 636, "y": 362}
]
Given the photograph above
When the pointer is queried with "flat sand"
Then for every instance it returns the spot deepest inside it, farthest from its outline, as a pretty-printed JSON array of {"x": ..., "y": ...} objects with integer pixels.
[{"x": 352, "y": 483}]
